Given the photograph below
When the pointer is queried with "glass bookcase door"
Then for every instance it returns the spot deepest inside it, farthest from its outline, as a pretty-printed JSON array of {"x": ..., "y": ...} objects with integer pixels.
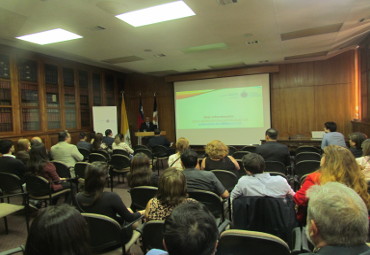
[
  {"x": 69, "y": 98},
  {"x": 84, "y": 99},
  {"x": 52, "y": 97},
  {"x": 96, "y": 89}
]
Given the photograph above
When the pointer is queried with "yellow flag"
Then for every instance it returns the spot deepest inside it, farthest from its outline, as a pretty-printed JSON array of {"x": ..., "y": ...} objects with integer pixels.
[{"x": 124, "y": 122}]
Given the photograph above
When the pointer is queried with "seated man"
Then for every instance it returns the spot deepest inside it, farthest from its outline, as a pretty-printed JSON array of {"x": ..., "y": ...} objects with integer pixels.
[
  {"x": 337, "y": 220},
  {"x": 200, "y": 179},
  {"x": 271, "y": 150},
  {"x": 108, "y": 138},
  {"x": 190, "y": 229},
  {"x": 65, "y": 152},
  {"x": 331, "y": 136},
  {"x": 157, "y": 139},
  {"x": 258, "y": 183},
  {"x": 8, "y": 162},
  {"x": 82, "y": 143}
]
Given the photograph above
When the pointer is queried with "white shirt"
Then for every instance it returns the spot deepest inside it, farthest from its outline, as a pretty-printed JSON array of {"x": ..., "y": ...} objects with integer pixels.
[
  {"x": 122, "y": 146},
  {"x": 177, "y": 164}
]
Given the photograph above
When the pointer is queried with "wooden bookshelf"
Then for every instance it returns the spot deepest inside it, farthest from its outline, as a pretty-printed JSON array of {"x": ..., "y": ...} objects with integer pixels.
[
  {"x": 6, "y": 124},
  {"x": 83, "y": 81},
  {"x": 109, "y": 90},
  {"x": 97, "y": 89},
  {"x": 69, "y": 98},
  {"x": 52, "y": 90}
]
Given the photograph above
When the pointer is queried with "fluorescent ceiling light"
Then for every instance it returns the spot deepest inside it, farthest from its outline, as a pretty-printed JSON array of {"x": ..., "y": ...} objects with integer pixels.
[
  {"x": 50, "y": 36},
  {"x": 155, "y": 14},
  {"x": 214, "y": 46}
]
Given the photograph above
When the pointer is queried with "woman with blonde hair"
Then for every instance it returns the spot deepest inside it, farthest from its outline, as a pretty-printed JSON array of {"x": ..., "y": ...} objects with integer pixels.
[
  {"x": 174, "y": 160},
  {"x": 120, "y": 144},
  {"x": 364, "y": 161},
  {"x": 217, "y": 157},
  {"x": 22, "y": 150},
  {"x": 337, "y": 165}
]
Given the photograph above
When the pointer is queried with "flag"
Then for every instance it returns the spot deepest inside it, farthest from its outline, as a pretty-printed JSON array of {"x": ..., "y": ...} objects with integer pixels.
[
  {"x": 125, "y": 130},
  {"x": 140, "y": 116},
  {"x": 155, "y": 112}
]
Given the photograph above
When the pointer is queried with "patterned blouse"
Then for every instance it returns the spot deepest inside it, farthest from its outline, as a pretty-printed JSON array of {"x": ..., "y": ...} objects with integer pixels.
[{"x": 159, "y": 211}]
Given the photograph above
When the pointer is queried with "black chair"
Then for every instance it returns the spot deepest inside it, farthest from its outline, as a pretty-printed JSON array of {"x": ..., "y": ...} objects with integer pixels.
[
  {"x": 227, "y": 178},
  {"x": 97, "y": 157},
  {"x": 80, "y": 169},
  {"x": 139, "y": 146},
  {"x": 84, "y": 153},
  {"x": 141, "y": 195},
  {"x": 146, "y": 151},
  {"x": 249, "y": 148},
  {"x": 232, "y": 149},
  {"x": 276, "y": 167},
  {"x": 240, "y": 154},
  {"x": 102, "y": 152},
  {"x": 119, "y": 165},
  {"x": 121, "y": 152},
  {"x": 306, "y": 148},
  {"x": 307, "y": 156},
  {"x": 305, "y": 167},
  {"x": 212, "y": 201},
  {"x": 152, "y": 235},
  {"x": 241, "y": 242},
  {"x": 10, "y": 184},
  {"x": 106, "y": 234},
  {"x": 63, "y": 170},
  {"x": 160, "y": 157},
  {"x": 18, "y": 250}
]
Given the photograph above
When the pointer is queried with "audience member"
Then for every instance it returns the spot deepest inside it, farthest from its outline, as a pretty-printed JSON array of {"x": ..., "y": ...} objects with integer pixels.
[
  {"x": 171, "y": 193},
  {"x": 92, "y": 137},
  {"x": 83, "y": 142},
  {"x": 95, "y": 200},
  {"x": 108, "y": 138},
  {"x": 337, "y": 220},
  {"x": 140, "y": 172},
  {"x": 355, "y": 141},
  {"x": 98, "y": 143},
  {"x": 199, "y": 179},
  {"x": 23, "y": 147},
  {"x": 58, "y": 230},
  {"x": 217, "y": 157},
  {"x": 35, "y": 140},
  {"x": 331, "y": 136},
  {"x": 337, "y": 165},
  {"x": 190, "y": 229},
  {"x": 258, "y": 183},
  {"x": 157, "y": 139},
  {"x": 66, "y": 152},
  {"x": 364, "y": 160},
  {"x": 147, "y": 126},
  {"x": 271, "y": 150},
  {"x": 174, "y": 160},
  {"x": 8, "y": 162},
  {"x": 119, "y": 143}
]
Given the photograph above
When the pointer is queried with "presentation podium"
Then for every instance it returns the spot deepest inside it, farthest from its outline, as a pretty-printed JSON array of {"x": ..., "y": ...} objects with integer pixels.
[{"x": 140, "y": 135}]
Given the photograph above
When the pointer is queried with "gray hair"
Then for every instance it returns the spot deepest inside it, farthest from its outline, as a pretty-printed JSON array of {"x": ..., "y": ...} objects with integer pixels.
[{"x": 339, "y": 213}]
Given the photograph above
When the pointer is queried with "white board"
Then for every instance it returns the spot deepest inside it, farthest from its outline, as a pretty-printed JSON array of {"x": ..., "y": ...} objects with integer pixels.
[{"x": 105, "y": 117}]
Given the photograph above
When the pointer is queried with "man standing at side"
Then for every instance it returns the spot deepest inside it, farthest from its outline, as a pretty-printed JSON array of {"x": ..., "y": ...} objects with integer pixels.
[
  {"x": 8, "y": 162},
  {"x": 200, "y": 179},
  {"x": 108, "y": 138},
  {"x": 271, "y": 150},
  {"x": 65, "y": 152},
  {"x": 337, "y": 220},
  {"x": 331, "y": 136}
]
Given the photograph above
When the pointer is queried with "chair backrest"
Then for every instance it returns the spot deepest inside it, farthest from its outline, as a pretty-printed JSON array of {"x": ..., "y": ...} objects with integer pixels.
[
  {"x": 152, "y": 235},
  {"x": 62, "y": 169},
  {"x": 249, "y": 148},
  {"x": 97, "y": 157},
  {"x": 145, "y": 151},
  {"x": 232, "y": 149},
  {"x": 306, "y": 148},
  {"x": 275, "y": 166},
  {"x": 227, "y": 178},
  {"x": 84, "y": 153},
  {"x": 80, "y": 169},
  {"x": 159, "y": 151},
  {"x": 121, "y": 152},
  {"x": 275, "y": 216},
  {"x": 9, "y": 183},
  {"x": 305, "y": 167},
  {"x": 105, "y": 232},
  {"x": 37, "y": 186},
  {"x": 307, "y": 156},
  {"x": 211, "y": 200},
  {"x": 141, "y": 195},
  {"x": 139, "y": 146},
  {"x": 120, "y": 162},
  {"x": 237, "y": 242},
  {"x": 18, "y": 250},
  {"x": 102, "y": 152},
  {"x": 240, "y": 154}
]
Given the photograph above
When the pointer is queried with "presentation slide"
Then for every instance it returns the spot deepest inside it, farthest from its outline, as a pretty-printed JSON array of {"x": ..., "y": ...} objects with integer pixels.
[{"x": 235, "y": 110}]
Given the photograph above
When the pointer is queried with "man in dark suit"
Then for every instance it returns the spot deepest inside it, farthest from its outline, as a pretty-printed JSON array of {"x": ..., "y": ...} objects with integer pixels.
[
  {"x": 147, "y": 126},
  {"x": 271, "y": 150},
  {"x": 108, "y": 138},
  {"x": 157, "y": 139},
  {"x": 8, "y": 162}
]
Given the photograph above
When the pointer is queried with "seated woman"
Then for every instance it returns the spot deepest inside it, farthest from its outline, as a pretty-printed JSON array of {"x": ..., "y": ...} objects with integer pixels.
[
  {"x": 58, "y": 230},
  {"x": 120, "y": 144},
  {"x": 22, "y": 150},
  {"x": 218, "y": 157},
  {"x": 98, "y": 143},
  {"x": 355, "y": 141},
  {"x": 364, "y": 161},
  {"x": 171, "y": 192},
  {"x": 141, "y": 173},
  {"x": 337, "y": 165},
  {"x": 174, "y": 160},
  {"x": 95, "y": 200}
]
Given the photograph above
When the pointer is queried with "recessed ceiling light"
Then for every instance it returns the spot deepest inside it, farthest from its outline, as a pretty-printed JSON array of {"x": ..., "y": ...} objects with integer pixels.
[
  {"x": 156, "y": 14},
  {"x": 50, "y": 36}
]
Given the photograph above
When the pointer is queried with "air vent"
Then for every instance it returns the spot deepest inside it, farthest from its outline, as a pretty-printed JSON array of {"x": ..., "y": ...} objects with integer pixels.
[
  {"x": 225, "y": 2},
  {"x": 122, "y": 60},
  {"x": 252, "y": 42},
  {"x": 309, "y": 55}
]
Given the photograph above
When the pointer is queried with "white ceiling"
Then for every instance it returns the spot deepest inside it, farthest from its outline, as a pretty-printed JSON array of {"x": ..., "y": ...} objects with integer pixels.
[{"x": 233, "y": 24}]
